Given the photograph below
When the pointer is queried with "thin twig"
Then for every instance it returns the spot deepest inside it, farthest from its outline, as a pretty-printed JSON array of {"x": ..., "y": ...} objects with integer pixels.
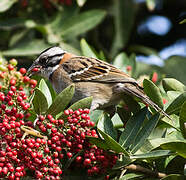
[{"x": 146, "y": 171}]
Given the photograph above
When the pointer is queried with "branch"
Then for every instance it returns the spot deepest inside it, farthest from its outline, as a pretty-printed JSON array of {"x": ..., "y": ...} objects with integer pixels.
[{"x": 146, "y": 171}]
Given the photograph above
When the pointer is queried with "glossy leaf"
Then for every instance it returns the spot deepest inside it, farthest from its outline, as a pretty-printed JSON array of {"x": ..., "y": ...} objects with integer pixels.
[
  {"x": 173, "y": 122},
  {"x": 182, "y": 119},
  {"x": 40, "y": 102},
  {"x": 132, "y": 176},
  {"x": 62, "y": 100},
  {"x": 6, "y": 4},
  {"x": 83, "y": 103},
  {"x": 45, "y": 90},
  {"x": 132, "y": 128},
  {"x": 96, "y": 115},
  {"x": 86, "y": 49},
  {"x": 27, "y": 48},
  {"x": 116, "y": 120},
  {"x": 98, "y": 142},
  {"x": 105, "y": 124},
  {"x": 152, "y": 154},
  {"x": 175, "y": 106},
  {"x": 131, "y": 103},
  {"x": 81, "y": 23},
  {"x": 171, "y": 84},
  {"x": 173, "y": 94},
  {"x": 113, "y": 145},
  {"x": 153, "y": 92},
  {"x": 124, "y": 15},
  {"x": 145, "y": 132},
  {"x": 178, "y": 147}
]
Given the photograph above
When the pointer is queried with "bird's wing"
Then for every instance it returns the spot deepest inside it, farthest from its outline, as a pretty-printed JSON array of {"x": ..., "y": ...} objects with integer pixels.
[{"x": 90, "y": 69}]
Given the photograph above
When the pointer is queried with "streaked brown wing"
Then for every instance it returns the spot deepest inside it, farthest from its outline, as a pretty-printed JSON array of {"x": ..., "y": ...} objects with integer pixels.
[{"x": 94, "y": 70}]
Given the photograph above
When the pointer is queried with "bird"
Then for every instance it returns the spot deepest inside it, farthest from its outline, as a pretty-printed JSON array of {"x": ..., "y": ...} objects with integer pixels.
[{"x": 91, "y": 77}]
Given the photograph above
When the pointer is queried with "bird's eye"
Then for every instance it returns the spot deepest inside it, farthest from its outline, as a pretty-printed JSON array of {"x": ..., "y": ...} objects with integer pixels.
[{"x": 43, "y": 59}]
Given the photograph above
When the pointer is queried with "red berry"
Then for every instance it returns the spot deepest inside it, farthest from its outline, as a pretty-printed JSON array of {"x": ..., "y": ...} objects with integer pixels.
[
  {"x": 87, "y": 162},
  {"x": 69, "y": 154},
  {"x": 26, "y": 79},
  {"x": 154, "y": 77},
  {"x": 33, "y": 82},
  {"x": 22, "y": 71},
  {"x": 10, "y": 67},
  {"x": 129, "y": 68},
  {"x": 35, "y": 69},
  {"x": 12, "y": 82}
]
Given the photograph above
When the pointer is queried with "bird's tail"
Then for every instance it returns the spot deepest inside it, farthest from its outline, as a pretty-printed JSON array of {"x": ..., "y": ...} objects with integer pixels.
[{"x": 138, "y": 92}]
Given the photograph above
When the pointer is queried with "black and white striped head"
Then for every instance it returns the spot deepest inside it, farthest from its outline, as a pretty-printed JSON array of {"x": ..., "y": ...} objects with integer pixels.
[{"x": 47, "y": 62}]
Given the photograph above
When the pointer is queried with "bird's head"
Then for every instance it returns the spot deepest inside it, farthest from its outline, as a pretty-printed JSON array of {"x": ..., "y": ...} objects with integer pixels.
[{"x": 47, "y": 62}]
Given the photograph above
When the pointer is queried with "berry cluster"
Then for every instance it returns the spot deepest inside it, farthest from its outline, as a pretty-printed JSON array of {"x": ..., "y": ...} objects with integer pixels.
[
  {"x": 55, "y": 145},
  {"x": 68, "y": 140},
  {"x": 14, "y": 107}
]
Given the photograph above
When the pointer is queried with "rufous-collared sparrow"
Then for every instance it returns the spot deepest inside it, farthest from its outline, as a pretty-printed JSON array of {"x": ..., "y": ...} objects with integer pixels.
[{"x": 92, "y": 77}]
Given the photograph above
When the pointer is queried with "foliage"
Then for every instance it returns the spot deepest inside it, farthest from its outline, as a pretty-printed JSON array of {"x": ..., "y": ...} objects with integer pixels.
[{"x": 137, "y": 142}]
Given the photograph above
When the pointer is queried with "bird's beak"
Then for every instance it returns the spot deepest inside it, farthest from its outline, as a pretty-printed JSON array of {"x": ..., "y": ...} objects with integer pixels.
[{"x": 32, "y": 70}]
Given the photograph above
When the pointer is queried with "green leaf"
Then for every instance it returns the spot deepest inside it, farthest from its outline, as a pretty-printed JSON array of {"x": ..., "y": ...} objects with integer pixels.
[
  {"x": 173, "y": 122},
  {"x": 122, "y": 162},
  {"x": 152, "y": 154},
  {"x": 83, "y": 103},
  {"x": 175, "y": 62},
  {"x": 144, "y": 132},
  {"x": 105, "y": 124},
  {"x": 81, "y": 23},
  {"x": 62, "y": 100},
  {"x": 96, "y": 115},
  {"x": 17, "y": 37},
  {"x": 153, "y": 92},
  {"x": 175, "y": 106},
  {"x": 40, "y": 102},
  {"x": 131, "y": 103},
  {"x": 173, "y": 94},
  {"x": 171, "y": 84},
  {"x": 168, "y": 160},
  {"x": 6, "y": 4},
  {"x": 113, "y": 145},
  {"x": 45, "y": 90},
  {"x": 178, "y": 147},
  {"x": 27, "y": 48},
  {"x": 183, "y": 21},
  {"x": 182, "y": 119},
  {"x": 123, "y": 114},
  {"x": 86, "y": 49},
  {"x": 98, "y": 142},
  {"x": 132, "y": 128},
  {"x": 155, "y": 143},
  {"x": 132, "y": 176},
  {"x": 174, "y": 177},
  {"x": 68, "y": 47},
  {"x": 142, "y": 50},
  {"x": 122, "y": 61},
  {"x": 13, "y": 23},
  {"x": 117, "y": 122},
  {"x": 124, "y": 14}
]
